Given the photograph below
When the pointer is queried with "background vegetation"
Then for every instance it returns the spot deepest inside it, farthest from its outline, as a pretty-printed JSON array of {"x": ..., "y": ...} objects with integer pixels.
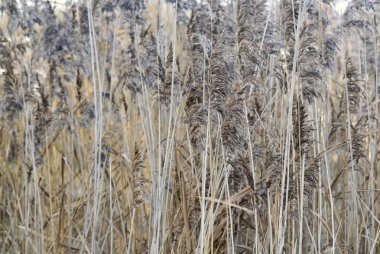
[{"x": 157, "y": 126}]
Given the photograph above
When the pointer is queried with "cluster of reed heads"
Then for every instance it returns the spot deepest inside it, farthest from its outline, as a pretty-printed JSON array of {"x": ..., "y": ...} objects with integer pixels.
[{"x": 174, "y": 126}]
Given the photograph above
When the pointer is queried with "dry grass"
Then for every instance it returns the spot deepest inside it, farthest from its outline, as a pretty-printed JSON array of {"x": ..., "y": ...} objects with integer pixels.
[{"x": 189, "y": 127}]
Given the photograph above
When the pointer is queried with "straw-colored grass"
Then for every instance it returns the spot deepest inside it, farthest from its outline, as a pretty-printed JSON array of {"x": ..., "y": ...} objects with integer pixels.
[{"x": 158, "y": 126}]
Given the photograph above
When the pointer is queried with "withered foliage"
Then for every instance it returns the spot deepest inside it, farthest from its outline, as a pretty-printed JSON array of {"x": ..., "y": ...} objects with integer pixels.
[{"x": 189, "y": 126}]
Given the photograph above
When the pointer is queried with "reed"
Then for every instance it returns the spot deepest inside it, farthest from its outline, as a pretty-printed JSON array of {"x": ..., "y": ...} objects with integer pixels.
[{"x": 175, "y": 126}]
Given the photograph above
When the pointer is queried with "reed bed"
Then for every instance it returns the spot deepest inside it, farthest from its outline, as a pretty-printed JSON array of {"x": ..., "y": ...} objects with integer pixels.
[{"x": 174, "y": 126}]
